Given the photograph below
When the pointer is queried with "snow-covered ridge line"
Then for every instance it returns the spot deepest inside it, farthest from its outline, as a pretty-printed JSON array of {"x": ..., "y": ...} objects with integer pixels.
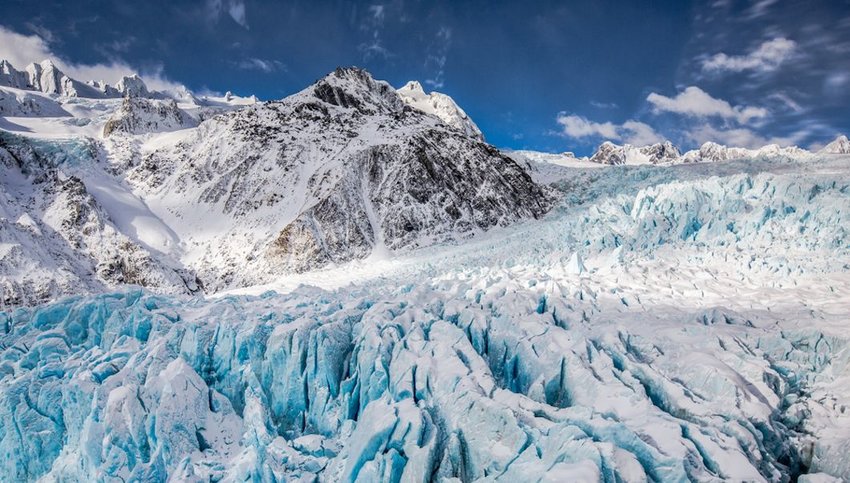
[
  {"x": 45, "y": 77},
  {"x": 440, "y": 105},
  {"x": 666, "y": 153}
]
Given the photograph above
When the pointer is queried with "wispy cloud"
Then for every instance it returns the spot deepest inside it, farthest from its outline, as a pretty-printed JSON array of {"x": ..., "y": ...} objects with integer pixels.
[
  {"x": 235, "y": 9},
  {"x": 695, "y": 102},
  {"x": 604, "y": 105},
  {"x": 263, "y": 65},
  {"x": 632, "y": 132},
  {"x": 764, "y": 58},
  {"x": 437, "y": 56},
  {"x": 760, "y": 9},
  {"x": 373, "y": 24},
  {"x": 41, "y": 31}
]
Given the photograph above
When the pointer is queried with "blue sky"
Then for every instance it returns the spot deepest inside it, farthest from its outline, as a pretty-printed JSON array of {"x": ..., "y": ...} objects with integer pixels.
[{"x": 543, "y": 75}]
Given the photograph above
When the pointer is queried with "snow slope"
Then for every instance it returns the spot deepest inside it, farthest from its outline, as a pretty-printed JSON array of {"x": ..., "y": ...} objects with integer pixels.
[
  {"x": 683, "y": 323},
  {"x": 439, "y": 105}
]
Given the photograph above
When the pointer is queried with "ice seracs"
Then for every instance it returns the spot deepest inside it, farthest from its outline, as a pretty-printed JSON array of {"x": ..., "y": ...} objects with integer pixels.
[
  {"x": 695, "y": 348},
  {"x": 440, "y": 105}
]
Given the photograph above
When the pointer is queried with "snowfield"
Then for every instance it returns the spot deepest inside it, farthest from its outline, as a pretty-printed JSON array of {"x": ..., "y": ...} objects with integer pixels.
[{"x": 661, "y": 324}]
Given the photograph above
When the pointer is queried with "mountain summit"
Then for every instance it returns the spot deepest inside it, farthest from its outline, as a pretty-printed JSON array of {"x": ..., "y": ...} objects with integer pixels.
[{"x": 439, "y": 105}]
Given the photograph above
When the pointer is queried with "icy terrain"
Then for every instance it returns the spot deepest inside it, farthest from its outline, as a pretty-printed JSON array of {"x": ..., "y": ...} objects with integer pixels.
[
  {"x": 662, "y": 324},
  {"x": 350, "y": 285}
]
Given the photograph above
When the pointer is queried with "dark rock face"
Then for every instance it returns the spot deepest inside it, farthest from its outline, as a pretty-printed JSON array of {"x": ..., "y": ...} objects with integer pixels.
[{"x": 350, "y": 87}]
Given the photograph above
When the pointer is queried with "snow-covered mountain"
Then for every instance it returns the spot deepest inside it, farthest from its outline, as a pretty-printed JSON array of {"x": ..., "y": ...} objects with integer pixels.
[
  {"x": 47, "y": 78},
  {"x": 333, "y": 173},
  {"x": 841, "y": 145},
  {"x": 21, "y": 103},
  {"x": 340, "y": 171},
  {"x": 440, "y": 105},
  {"x": 666, "y": 153},
  {"x": 139, "y": 115}
]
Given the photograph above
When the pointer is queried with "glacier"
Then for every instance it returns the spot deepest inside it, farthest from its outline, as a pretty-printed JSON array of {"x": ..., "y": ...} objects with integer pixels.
[{"x": 675, "y": 323}]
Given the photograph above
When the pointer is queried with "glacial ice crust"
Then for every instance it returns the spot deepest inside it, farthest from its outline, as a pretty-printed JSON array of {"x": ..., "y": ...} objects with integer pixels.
[{"x": 454, "y": 382}]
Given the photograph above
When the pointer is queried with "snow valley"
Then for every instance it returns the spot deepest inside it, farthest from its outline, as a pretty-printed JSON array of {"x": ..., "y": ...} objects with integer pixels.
[{"x": 351, "y": 284}]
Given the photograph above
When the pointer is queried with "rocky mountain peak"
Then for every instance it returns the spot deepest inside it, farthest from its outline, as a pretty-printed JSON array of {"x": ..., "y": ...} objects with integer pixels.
[
  {"x": 328, "y": 175},
  {"x": 132, "y": 86},
  {"x": 354, "y": 88},
  {"x": 841, "y": 145},
  {"x": 11, "y": 77},
  {"x": 610, "y": 153},
  {"x": 139, "y": 115},
  {"x": 412, "y": 87}
]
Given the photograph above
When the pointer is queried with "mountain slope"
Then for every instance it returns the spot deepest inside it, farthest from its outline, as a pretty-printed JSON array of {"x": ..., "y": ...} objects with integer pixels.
[
  {"x": 841, "y": 145},
  {"x": 56, "y": 235},
  {"x": 328, "y": 175}
]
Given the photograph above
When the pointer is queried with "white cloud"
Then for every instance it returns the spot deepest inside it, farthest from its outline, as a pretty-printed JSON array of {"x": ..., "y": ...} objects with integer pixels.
[
  {"x": 739, "y": 137},
  {"x": 639, "y": 134},
  {"x": 766, "y": 57},
  {"x": 579, "y": 127},
  {"x": 695, "y": 102},
  {"x": 632, "y": 132},
  {"x": 22, "y": 50}
]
